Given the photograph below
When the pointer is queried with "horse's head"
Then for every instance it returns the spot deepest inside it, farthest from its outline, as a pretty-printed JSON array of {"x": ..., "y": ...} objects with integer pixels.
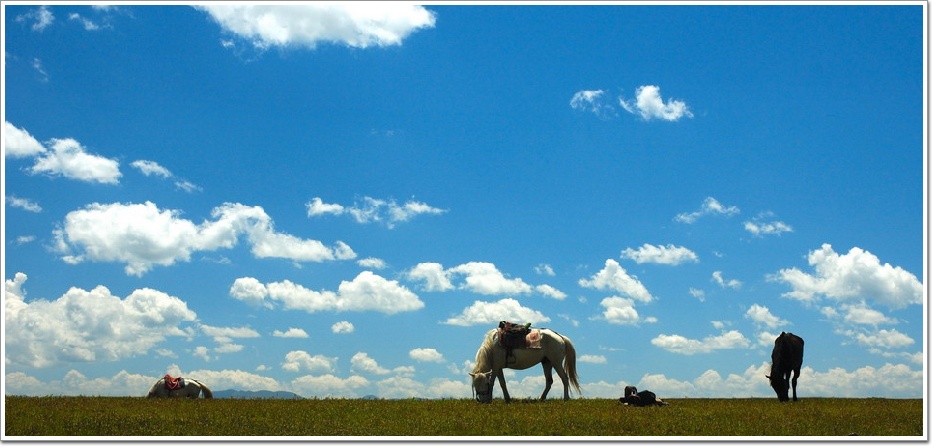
[
  {"x": 482, "y": 386},
  {"x": 780, "y": 385}
]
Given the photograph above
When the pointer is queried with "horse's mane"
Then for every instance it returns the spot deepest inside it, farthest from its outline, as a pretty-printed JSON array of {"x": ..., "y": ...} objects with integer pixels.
[{"x": 484, "y": 355}]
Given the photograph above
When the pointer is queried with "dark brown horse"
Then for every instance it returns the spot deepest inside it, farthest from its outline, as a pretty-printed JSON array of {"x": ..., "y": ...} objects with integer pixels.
[{"x": 787, "y": 357}]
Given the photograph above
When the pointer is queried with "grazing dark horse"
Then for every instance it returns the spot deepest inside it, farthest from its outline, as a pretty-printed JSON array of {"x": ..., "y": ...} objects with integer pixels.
[
  {"x": 556, "y": 352},
  {"x": 787, "y": 357},
  {"x": 191, "y": 389}
]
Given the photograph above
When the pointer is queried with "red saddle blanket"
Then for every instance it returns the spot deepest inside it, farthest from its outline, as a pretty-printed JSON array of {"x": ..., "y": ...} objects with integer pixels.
[{"x": 173, "y": 383}]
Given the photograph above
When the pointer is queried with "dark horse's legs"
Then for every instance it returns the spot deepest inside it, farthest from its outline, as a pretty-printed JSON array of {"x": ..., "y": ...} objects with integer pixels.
[
  {"x": 795, "y": 377},
  {"x": 548, "y": 377}
]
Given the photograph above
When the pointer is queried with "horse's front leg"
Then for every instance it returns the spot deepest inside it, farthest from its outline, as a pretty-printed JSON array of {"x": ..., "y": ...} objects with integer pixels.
[
  {"x": 795, "y": 377},
  {"x": 501, "y": 381},
  {"x": 548, "y": 378}
]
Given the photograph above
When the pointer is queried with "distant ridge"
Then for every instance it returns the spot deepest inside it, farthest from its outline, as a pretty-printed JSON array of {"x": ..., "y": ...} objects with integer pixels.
[{"x": 257, "y": 394}]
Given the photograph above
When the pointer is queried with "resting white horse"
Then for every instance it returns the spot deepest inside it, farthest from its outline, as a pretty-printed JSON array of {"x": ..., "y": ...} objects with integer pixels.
[
  {"x": 556, "y": 352},
  {"x": 191, "y": 389}
]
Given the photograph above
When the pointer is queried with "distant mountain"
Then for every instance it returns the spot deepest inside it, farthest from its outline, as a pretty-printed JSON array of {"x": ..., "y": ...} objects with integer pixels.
[{"x": 257, "y": 394}]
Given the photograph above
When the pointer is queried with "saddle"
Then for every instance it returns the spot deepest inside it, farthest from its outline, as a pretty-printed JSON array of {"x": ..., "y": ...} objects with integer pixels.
[
  {"x": 173, "y": 383},
  {"x": 512, "y": 336}
]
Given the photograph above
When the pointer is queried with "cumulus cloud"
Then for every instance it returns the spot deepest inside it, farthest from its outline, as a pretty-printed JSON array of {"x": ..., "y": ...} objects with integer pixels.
[
  {"x": 650, "y": 105},
  {"x": 763, "y": 316},
  {"x": 342, "y": 327},
  {"x": 69, "y": 159},
  {"x": 298, "y": 360},
  {"x": 354, "y": 24},
  {"x": 291, "y": 333},
  {"x": 710, "y": 206},
  {"x": 329, "y": 386},
  {"x": 366, "y": 292},
  {"x": 478, "y": 277},
  {"x": 373, "y": 210},
  {"x": 425, "y": 355},
  {"x": 362, "y": 363},
  {"x": 544, "y": 270},
  {"x": 481, "y": 313},
  {"x": 593, "y": 359},
  {"x": 731, "y": 283},
  {"x": 762, "y": 228},
  {"x": 852, "y": 277},
  {"x": 613, "y": 277},
  {"x": 88, "y": 326},
  {"x": 682, "y": 345},
  {"x": 18, "y": 143},
  {"x": 371, "y": 263},
  {"x": 667, "y": 255},
  {"x": 619, "y": 310},
  {"x": 142, "y": 236}
]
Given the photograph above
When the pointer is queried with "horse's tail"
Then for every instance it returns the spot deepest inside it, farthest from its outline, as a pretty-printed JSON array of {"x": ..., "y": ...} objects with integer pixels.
[
  {"x": 207, "y": 393},
  {"x": 569, "y": 364}
]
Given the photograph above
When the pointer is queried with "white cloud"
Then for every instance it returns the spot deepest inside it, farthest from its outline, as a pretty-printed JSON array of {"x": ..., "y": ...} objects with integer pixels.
[
  {"x": 425, "y": 355},
  {"x": 342, "y": 327},
  {"x": 668, "y": 255},
  {"x": 763, "y": 316},
  {"x": 717, "y": 278},
  {"x": 291, "y": 333},
  {"x": 354, "y": 24},
  {"x": 493, "y": 312},
  {"x": 371, "y": 262},
  {"x": 329, "y": 386},
  {"x": 885, "y": 339},
  {"x": 619, "y": 310},
  {"x": 41, "y": 17},
  {"x": 142, "y": 235},
  {"x": 710, "y": 206},
  {"x": 614, "y": 277},
  {"x": 760, "y": 229},
  {"x": 592, "y": 100},
  {"x": 226, "y": 334},
  {"x": 298, "y": 360},
  {"x": 18, "y": 143},
  {"x": 317, "y": 207},
  {"x": 366, "y": 292},
  {"x": 434, "y": 276},
  {"x": 697, "y": 293},
  {"x": 362, "y": 363},
  {"x": 544, "y": 270},
  {"x": 87, "y": 326},
  {"x": 373, "y": 210},
  {"x": 592, "y": 359},
  {"x": 649, "y": 105},
  {"x": 682, "y": 345},
  {"x": 855, "y": 276},
  {"x": 485, "y": 278},
  {"x": 69, "y": 159},
  {"x": 22, "y": 203},
  {"x": 550, "y": 291},
  {"x": 149, "y": 168}
]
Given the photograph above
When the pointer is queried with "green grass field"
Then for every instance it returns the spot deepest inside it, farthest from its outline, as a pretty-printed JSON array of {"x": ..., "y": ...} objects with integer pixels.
[{"x": 108, "y": 416}]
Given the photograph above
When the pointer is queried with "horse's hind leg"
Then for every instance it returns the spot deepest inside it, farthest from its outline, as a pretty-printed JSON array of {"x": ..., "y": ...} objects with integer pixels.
[
  {"x": 548, "y": 378},
  {"x": 566, "y": 383},
  {"x": 795, "y": 377}
]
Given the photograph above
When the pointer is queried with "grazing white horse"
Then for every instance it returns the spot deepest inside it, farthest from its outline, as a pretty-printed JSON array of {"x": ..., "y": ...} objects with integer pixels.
[
  {"x": 192, "y": 389},
  {"x": 556, "y": 352}
]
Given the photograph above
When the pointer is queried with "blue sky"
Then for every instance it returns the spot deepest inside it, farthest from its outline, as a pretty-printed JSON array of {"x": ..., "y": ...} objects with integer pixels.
[{"x": 340, "y": 200}]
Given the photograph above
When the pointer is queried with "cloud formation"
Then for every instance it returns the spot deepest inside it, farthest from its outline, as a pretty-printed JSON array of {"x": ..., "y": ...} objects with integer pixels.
[
  {"x": 481, "y": 313},
  {"x": 354, "y": 24},
  {"x": 88, "y": 326},
  {"x": 142, "y": 236},
  {"x": 373, "y": 210},
  {"x": 667, "y": 255},
  {"x": 852, "y": 277},
  {"x": 650, "y": 105},
  {"x": 710, "y": 206},
  {"x": 614, "y": 277},
  {"x": 366, "y": 292}
]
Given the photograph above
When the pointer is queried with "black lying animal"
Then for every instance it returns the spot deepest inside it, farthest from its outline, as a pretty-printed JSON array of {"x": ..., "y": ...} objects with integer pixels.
[{"x": 640, "y": 399}]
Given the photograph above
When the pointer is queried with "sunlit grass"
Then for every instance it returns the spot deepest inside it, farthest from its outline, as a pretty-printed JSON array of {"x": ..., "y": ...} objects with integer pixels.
[{"x": 102, "y": 416}]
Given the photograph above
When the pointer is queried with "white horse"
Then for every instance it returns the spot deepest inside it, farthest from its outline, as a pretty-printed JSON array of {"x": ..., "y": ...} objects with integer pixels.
[
  {"x": 192, "y": 389},
  {"x": 556, "y": 352}
]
